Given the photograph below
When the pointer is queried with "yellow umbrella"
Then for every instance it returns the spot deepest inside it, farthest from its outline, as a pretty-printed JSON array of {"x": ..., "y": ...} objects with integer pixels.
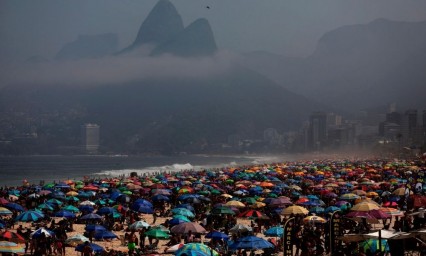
[
  {"x": 365, "y": 207},
  {"x": 314, "y": 219},
  {"x": 399, "y": 192},
  {"x": 236, "y": 204},
  {"x": 258, "y": 205},
  {"x": 372, "y": 194},
  {"x": 295, "y": 209},
  {"x": 72, "y": 193},
  {"x": 359, "y": 192}
]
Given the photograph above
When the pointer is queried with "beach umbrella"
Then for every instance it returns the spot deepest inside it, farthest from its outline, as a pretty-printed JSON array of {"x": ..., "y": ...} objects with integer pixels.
[
  {"x": 54, "y": 202},
  {"x": 29, "y": 216},
  {"x": 71, "y": 208},
  {"x": 72, "y": 193},
  {"x": 314, "y": 219},
  {"x": 76, "y": 239},
  {"x": 100, "y": 235},
  {"x": 95, "y": 228},
  {"x": 349, "y": 196},
  {"x": 372, "y": 245},
  {"x": 3, "y": 201},
  {"x": 162, "y": 228},
  {"x": 10, "y": 247},
  {"x": 274, "y": 231},
  {"x": 250, "y": 243},
  {"x": 160, "y": 198},
  {"x": 105, "y": 211},
  {"x": 236, "y": 204},
  {"x": 142, "y": 201},
  {"x": 175, "y": 221},
  {"x": 173, "y": 248},
  {"x": 12, "y": 237},
  {"x": 280, "y": 201},
  {"x": 316, "y": 210},
  {"x": 196, "y": 249},
  {"x": 65, "y": 214},
  {"x": 91, "y": 216},
  {"x": 331, "y": 209},
  {"x": 240, "y": 228},
  {"x": 96, "y": 248},
  {"x": 87, "y": 202},
  {"x": 184, "y": 228},
  {"x": 145, "y": 209},
  {"x": 139, "y": 225},
  {"x": 33, "y": 195},
  {"x": 45, "y": 207},
  {"x": 181, "y": 217},
  {"x": 222, "y": 210},
  {"x": 392, "y": 211},
  {"x": 86, "y": 208},
  {"x": 365, "y": 206},
  {"x": 15, "y": 207},
  {"x": 42, "y": 231},
  {"x": 217, "y": 235},
  {"x": 295, "y": 209},
  {"x": 5, "y": 211},
  {"x": 157, "y": 233},
  {"x": 186, "y": 206},
  {"x": 72, "y": 199},
  {"x": 184, "y": 212},
  {"x": 251, "y": 213}
]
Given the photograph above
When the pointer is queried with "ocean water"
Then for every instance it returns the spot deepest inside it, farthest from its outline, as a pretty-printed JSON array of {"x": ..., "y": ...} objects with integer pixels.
[{"x": 15, "y": 169}]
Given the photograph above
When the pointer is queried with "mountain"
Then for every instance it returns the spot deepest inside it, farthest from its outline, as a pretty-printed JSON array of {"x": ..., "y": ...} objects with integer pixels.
[
  {"x": 358, "y": 66},
  {"x": 162, "y": 23},
  {"x": 89, "y": 46},
  {"x": 195, "y": 40}
]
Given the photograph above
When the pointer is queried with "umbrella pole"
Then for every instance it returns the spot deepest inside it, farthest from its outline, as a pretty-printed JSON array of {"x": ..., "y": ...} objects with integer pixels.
[{"x": 380, "y": 240}]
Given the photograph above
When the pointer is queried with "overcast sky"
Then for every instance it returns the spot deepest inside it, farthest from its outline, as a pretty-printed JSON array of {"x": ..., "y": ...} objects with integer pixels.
[{"x": 288, "y": 27}]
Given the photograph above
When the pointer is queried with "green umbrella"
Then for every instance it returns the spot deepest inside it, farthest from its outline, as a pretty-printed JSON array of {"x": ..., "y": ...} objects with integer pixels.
[
  {"x": 181, "y": 217},
  {"x": 71, "y": 208},
  {"x": 157, "y": 233},
  {"x": 223, "y": 210}
]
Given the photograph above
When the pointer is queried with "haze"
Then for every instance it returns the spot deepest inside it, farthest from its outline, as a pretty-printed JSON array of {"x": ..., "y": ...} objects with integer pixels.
[{"x": 290, "y": 28}]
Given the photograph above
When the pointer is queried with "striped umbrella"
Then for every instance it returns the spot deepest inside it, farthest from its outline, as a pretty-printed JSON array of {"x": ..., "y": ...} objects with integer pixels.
[
  {"x": 5, "y": 211},
  {"x": 10, "y": 247},
  {"x": 29, "y": 216},
  {"x": 196, "y": 249}
]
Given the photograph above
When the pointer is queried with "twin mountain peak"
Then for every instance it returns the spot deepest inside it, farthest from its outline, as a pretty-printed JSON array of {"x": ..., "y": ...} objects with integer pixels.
[{"x": 162, "y": 32}]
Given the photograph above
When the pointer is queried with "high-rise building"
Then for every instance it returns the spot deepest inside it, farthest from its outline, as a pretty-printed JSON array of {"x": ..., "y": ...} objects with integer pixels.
[
  {"x": 317, "y": 130},
  {"x": 90, "y": 138},
  {"x": 408, "y": 125}
]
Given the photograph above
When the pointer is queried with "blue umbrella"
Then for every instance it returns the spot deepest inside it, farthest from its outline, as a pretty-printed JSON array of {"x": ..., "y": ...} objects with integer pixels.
[
  {"x": 142, "y": 201},
  {"x": 106, "y": 211},
  {"x": 96, "y": 248},
  {"x": 145, "y": 209},
  {"x": 184, "y": 212},
  {"x": 86, "y": 208},
  {"x": 217, "y": 235},
  {"x": 65, "y": 214},
  {"x": 331, "y": 209},
  {"x": 15, "y": 207},
  {"x": 176, "y": 221},
  {"x": 105, "y": 235},
  {"x": 29, "y": 216},
  {"x": 42, "y": 231},
  {"x": 196, "y": 249},
  {"x": 186, "y": 206},
  {"x": 96, "y": 228},
  {"x": 316, "y": 210},
  {"x": 250, "y": 243},
  {"x": 274, "y": 231},
  {"x": 160, "y": 197},
  {"x": 91, "y": 216}
]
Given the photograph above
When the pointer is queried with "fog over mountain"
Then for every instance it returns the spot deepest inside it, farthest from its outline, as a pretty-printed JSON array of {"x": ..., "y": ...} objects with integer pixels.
[{"x": 175, "y": 88}]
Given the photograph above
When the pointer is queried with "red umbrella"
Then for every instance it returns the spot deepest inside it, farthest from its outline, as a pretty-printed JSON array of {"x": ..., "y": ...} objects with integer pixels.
[
  {"x": 12, "y": 237},
  {"x": 3, "y": 200},
  {"x": 251, "y": 213}
]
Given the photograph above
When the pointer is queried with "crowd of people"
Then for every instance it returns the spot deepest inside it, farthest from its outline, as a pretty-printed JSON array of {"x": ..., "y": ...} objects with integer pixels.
[{"x": 222, "y": 199}]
